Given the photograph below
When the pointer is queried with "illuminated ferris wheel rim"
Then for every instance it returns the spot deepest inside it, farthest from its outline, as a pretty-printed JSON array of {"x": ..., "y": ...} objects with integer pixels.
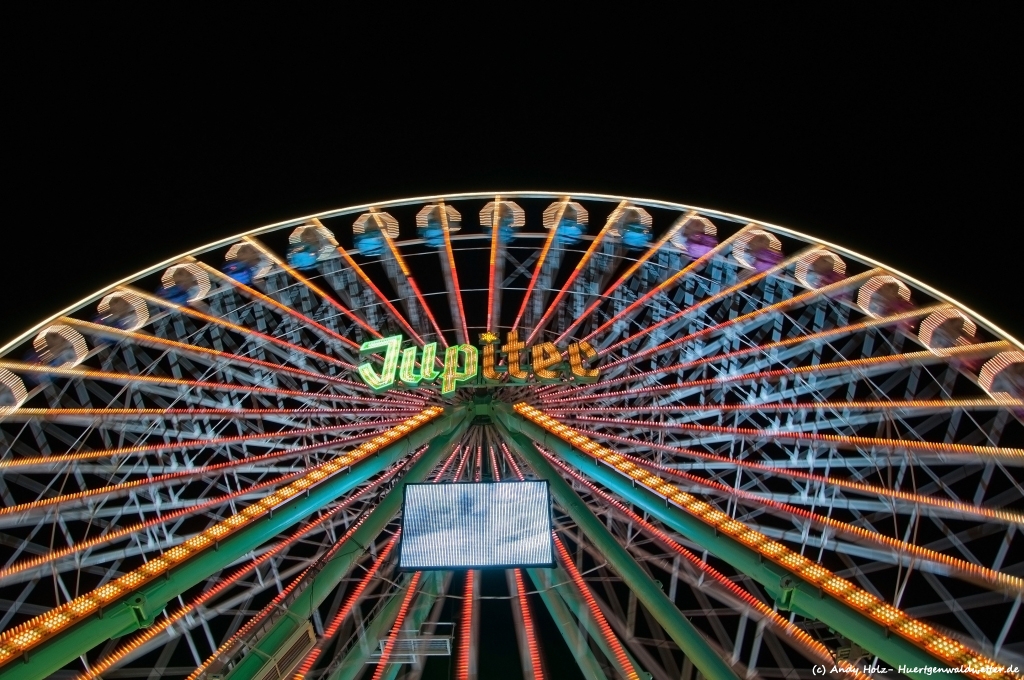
[{"x": 487, "y": 195}]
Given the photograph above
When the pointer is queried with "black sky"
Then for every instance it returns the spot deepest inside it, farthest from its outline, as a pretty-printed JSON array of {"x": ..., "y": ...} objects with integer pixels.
[{"x": 134, "y": 139}]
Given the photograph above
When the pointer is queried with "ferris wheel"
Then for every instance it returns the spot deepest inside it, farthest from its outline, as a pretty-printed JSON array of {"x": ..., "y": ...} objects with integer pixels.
[{"x": 767, "y": 455}]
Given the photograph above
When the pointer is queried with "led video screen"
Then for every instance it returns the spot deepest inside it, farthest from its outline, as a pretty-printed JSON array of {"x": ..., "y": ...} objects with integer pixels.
[{"x": 476, "y": 526}]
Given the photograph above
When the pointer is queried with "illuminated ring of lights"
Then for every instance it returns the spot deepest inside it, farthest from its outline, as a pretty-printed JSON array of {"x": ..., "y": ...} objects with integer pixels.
[
  {"x": 252, "y": 365},
  {"x": 15, "y": 391},
  {"x": 705, "y": 226},
  {"x": 804, "y": 265},
  {"x": 201, "y": 280},
  {"x": 234, "y": 252},
  {"x": 137, "y": 304},
  {"x": 933, "y": 321},
  {"x": 69, "y": 335},
  {"x": 867, "y": 292},
  {"x": 739, "y": 250}
]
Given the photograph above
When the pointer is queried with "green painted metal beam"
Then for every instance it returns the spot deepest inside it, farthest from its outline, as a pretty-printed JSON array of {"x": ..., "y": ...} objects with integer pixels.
[
  {"x": 431, "y": 587},
  {"x": 139, "y": 608},
  {"x": 790, "y": 591},
  {"x": 678, "y": 627},
  {"x": 555, "y": 599},
  {"x": 332, "y": 572}
]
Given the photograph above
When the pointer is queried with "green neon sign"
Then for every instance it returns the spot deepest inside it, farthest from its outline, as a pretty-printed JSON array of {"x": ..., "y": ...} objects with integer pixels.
[{"x": 502, "y": 363}]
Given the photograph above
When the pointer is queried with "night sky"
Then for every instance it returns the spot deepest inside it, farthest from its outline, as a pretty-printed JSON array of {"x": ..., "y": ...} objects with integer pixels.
[{"x": 129, "y": 140}]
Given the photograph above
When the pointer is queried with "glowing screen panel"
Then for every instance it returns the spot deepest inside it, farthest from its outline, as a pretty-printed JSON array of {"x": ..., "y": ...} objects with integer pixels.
[{"x": 475, "y": 526}]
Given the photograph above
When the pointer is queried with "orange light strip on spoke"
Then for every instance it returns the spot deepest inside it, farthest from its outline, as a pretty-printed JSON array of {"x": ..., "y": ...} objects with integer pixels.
[
  {"x": 411, "y": 281},
  {"x": 808, "y": 644},
  {"x": 267, "y": 300},
  {"x": 531, "y": 636},
  {"x": 633, "y": 269},
  {"x": 396, "y": 629},
  {"x": 664, "y": 285},
  {"x": 144, "y": 339},
  {"x": 217, "y": 321},
  {"x": 961, "y": 567},
  {"x": 12, "y": 463},
  {"x": 197, "y": 384},
  {"x": 309, "y": 284},
  {"x": 594, "y": 246},
  {"x": 539, "y": 266},
  {"x": 462, "y": 670},
  {"x": 942, "y": 404},
  {"x": 22, "y": 638},
  {"x": 851, "y": 440},
  {"x": 967, "y": 509},
  {"x": 778, "y": 306},
  {"x": 160, "y": 625},
  {"x": 456, "y": 288},
  {"x": 945, "y": 649},
  {"x": 625, "y": 667}
]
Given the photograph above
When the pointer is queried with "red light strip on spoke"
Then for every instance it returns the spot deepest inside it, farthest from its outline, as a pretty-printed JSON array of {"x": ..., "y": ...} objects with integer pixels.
[
  {"x": 309, "y": 284},
  {"x": 152, "y": 340},
  {"x": 625, "y": 667},
  {"x": 946, "y": 649},
  {"x": 114, "y": 535},
  {"x": 22, "y": 638},
  {"x": 267, "y": 300},
  {"x": 927, "y": 355},
  {"x": 411, "y": 281},
  {"x": 943, "y": 404},
  {"x": 466, "y": 629},
  {"x": 403, "y": 610},
  {"x": 778, "y": 306},
  {"x": 531, "y": 636},
  {"x": 685, "y": 271},
  {"x": 955, "y": 506},
  {"x": 539, "y": 266},
  {"x": 964, "y": 569},
  {"x": 186, "y": 413},
  {"x": 851, "y": 440},
  {"x": 147, "y": 634},
  {"x": 594, "y": 246},
  {"x": 196, "y": 384},
  {"x": 217, "y": 321},
  {"x": 633, "y": 269},
  {"x": 803, "y": 640},
  {"x": 456, "y": 288}
]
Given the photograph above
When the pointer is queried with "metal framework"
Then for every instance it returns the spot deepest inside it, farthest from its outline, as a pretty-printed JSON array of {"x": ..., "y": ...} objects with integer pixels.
[{"x": 768, "y": 455}]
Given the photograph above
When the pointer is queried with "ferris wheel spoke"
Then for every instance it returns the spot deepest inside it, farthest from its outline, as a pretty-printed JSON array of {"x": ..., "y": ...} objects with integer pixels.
[
  {"x": 451, "y": 272},
  {"x": 399, "y": 275},
  {"x": 595, "y": 245},
  {"x": 767, "y": 354},
  {"x": 855, "y": 599},
  {"x": 312, "y": 287},
  {"x": 635, "y": 267},
  {"x": 777, "y": 468},
  {"x": 326, "y": 334},
  {"x": 917, "y": 448},
  {"x": 253, "y": 336},
  {"x": 664, "y": 286},
  {"x": 747, "y": 602},
  {"x": 647, "y": 330}
]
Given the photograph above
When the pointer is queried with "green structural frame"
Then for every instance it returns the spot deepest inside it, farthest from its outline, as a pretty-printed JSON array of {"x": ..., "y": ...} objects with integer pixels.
[
  {"x": 139, "y": 609},
  {"x": 790, "y": 592}
]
